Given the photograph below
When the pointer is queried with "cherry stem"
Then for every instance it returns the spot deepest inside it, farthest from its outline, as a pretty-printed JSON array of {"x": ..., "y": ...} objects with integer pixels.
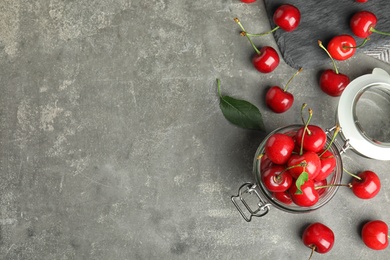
[
  {"x": 313, "y": 248},
  {"x": 260, "y": 156},
  {"x": 335, "y": 133},
  {"x": 306, "y": 129},
  {"x": 349, "y": 185},
  {"x": 243, "y": 33},
  {"x": 262, "y": 34},
  {"x": 330, "y": 56},
  {"x": 293, "y": 76},
  {"x": 219, "y": 87},
  {"x": 353, "y": 175},
  {"x": 302, "y": 108},
  {"x": 358, "y": 46},
  {"x": 301, "y": 164},
  {"x": 372, "y": 29}
]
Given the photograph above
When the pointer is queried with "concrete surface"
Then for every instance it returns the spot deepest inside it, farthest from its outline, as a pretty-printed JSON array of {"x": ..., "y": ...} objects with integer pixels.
[{"x": 113, "y": 145}]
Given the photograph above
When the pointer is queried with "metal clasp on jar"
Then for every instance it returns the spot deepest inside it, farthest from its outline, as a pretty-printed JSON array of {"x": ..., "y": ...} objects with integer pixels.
[
  {"x": 344, "y": 146},
  {"x": 262, "y": 206}
]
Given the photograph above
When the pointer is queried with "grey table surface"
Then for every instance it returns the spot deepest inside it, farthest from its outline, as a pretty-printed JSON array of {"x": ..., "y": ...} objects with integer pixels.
[{"x": 113, "y": 145}]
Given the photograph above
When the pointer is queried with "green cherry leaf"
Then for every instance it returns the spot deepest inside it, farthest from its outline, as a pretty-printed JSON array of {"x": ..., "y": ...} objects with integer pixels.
[
  {"x": 303, "y": 177},
  {"x": 240, "y": 112}
]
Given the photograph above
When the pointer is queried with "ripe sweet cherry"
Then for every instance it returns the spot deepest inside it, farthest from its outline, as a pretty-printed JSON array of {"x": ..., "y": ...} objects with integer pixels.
[
  {"x": 279, "y": 147},
  {"x": 286, "y": 17},
  {"x": 264, "y": 60},
  {"x": 280, "y": 100},
  {"x": 375, "y": 234},
  {"x": 318, "y": 237},
  {"x": 363, "y": 24}
]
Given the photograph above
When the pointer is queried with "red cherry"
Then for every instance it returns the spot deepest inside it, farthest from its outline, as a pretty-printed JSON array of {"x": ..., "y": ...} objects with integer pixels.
[
  {"x": 248, "y": 1},
  {"x": 319, "y": 184},
  {"x": 276, "y": 179},
  {"x": 266, "y": 60},
  {"x": 287, "y": 17},
  {"x": 279, "y": 100},
  {"x": 368, "y": 186},
  {"x": 318, "y": 237},
  {"x": 328, "y": 164},
  {"x": 283, "y": 197},
  {"x": 265, "y": 162},
  {"x": 375, "y": 234},
  {"x": 314, "y": 139},
  {"x": 309, "y": 196},
  {"x": 342, "y": 47},
  {"x": 313, "y": 164},
  {"x": 361, "y": 1},
  {"x": 362, "y": 23},
  {"x": 279, "y": 147},
  {"x": 333, "y": 83}
]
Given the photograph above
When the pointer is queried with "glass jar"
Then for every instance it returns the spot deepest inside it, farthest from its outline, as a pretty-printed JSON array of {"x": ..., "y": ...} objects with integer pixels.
[
  {"x": 265, "y": 199},
  {"x": 363, "y": 116}
]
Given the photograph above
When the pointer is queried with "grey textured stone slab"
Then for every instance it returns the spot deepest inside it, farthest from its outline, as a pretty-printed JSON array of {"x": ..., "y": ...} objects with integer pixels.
[{"x": 321, "y": 20}]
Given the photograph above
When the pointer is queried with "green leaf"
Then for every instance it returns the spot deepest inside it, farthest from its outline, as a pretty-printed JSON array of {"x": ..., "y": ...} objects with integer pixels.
[
  {"x": 303, "y": 177},
  {"x": 240, "y": 112}
]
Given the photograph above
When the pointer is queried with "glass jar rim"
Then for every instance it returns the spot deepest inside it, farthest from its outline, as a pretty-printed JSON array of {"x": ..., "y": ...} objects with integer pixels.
[{"x": 351, "y": 131}]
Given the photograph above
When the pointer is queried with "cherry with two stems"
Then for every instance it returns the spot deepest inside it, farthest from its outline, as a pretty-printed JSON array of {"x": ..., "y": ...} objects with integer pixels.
[
  {"x": 332, "y": 82},
  {"x": 280, "y": 100},
  {"x": 343, "y": 47},
  {"x": 363, "y": 24},
  {"x": 375, "y": 234},
  {"x": 318, "y": 237},
  {"x": 266, "y": 59}
]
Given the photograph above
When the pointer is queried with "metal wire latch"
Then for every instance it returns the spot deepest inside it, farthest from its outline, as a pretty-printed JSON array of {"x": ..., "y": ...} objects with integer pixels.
[{"x": 262, "y": 206}]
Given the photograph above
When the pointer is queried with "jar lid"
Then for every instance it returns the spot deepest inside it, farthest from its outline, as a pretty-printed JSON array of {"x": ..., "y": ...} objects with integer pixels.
[{"x": 363, "y": 114}]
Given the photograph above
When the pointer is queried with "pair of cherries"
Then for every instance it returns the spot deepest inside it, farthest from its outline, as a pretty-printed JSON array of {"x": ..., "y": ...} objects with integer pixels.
[
  {"x": 320, "y": 238},
  {"x": 266, "y": 59},
  {"x": 362, "y": 25}
]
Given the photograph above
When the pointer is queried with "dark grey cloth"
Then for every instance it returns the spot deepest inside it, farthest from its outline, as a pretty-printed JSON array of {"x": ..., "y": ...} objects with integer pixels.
[{"x": 321, "y": 20}]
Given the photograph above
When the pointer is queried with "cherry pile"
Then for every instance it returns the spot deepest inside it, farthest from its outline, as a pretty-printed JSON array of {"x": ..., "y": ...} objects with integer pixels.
[{"x": 295, "y": 165}]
